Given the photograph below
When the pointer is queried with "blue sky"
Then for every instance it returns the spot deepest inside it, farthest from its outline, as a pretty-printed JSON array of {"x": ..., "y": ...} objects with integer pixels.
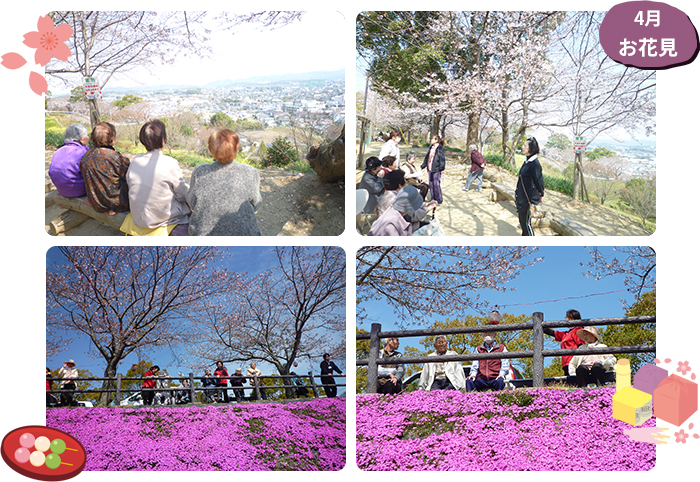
[
  {"x": 253, "y": 260},
  {"x": 551, "y": 286}
]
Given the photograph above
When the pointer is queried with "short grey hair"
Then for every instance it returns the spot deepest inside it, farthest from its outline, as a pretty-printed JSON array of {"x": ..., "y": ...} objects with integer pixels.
[
  {"x": 438, "y": 337},
  {"x": 472, "y": 147},
  {"x": 75, "y": 132}
]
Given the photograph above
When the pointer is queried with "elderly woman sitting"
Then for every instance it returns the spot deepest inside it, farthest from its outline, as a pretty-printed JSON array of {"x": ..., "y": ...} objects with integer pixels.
[
  {"x": 64, "y": 170},
  {"x": 104, "y": 171},
  {"x": 157, "y": 190},
  {"x": 225, "y": 194},
  {"x": 393, "y": 222}
]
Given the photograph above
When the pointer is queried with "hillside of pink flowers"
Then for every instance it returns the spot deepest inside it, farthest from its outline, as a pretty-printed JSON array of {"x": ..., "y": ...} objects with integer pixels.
[
  {"x": 537, "y": 429},
  {"x": 292, "y": 436}
]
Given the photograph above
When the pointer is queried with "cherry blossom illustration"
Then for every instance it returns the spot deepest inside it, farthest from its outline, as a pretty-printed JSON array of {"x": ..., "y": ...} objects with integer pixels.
[
  {"x": 49, "y": 41},
  {"x": 683, "y": 367}
]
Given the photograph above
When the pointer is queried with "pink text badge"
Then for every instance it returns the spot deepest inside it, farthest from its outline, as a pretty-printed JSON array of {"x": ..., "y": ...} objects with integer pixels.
[{"x": 648, "y": 35}]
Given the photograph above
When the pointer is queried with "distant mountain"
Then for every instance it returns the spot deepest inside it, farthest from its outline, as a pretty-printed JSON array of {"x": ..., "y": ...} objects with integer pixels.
[{"x": 217, "y": 84}]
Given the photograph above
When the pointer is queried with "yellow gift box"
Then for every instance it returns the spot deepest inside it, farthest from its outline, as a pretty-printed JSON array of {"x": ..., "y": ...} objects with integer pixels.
[{"x": 632, "y": 406}]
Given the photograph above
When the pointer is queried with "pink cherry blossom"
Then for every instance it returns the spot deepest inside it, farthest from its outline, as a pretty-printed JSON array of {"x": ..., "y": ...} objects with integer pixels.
[
  {"x": 38, "y": 84},
  {"x": 49, "y": 41},
  {"x": 681, "y": 436},
  {"x": 12, "y": 60},
  {"x": 683, "y": 367}
]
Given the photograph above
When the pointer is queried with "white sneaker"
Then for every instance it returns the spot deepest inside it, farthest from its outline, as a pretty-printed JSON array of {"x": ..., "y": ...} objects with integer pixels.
[{"x": 465, "y": 189}]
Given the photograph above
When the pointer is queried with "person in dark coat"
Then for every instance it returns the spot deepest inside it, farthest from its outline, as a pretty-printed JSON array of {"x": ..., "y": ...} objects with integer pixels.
[
  {"x": 435, "y": 163},
  {"x": 327, "y": 369},
  {"x": 237, "y": 382},
  {"x": 530, "y": 188}
]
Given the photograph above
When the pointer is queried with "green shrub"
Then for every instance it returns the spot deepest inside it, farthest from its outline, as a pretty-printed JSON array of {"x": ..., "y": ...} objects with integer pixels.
[
  {"x": 280, "y": 153},
  {"x": 53, "y": 138}
]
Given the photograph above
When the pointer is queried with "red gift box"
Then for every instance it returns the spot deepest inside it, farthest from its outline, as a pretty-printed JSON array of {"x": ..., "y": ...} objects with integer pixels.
[{"x": 675, "y": 400}]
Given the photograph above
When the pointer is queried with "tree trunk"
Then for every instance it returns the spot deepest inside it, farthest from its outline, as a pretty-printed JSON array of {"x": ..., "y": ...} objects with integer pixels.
[
  {"x": 577, "y": 174},
  {"x": 435, "y": 128},
  {"x": 473, "y": 129},
  {"x": 329, "y": 160},
  {"x": 110, "y": 371}
]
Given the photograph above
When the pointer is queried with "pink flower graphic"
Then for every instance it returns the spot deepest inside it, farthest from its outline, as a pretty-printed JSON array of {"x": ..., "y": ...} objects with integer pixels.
[
  {"x": 683, "y": 367},
  {"x": 681, "y": 436},
  {"x": 49, "y": 41},
  {"x": 37, "y": 83},
  {"x": 12, "y": 60}
]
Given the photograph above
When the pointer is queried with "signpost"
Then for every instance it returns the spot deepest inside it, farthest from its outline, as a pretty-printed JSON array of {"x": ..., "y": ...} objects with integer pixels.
[
  {"x": 91, "y": 88},
  {"x": 579, "y": 144}
]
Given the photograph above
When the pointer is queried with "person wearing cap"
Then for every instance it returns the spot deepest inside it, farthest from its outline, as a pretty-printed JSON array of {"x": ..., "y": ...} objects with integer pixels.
[
  {"x": 489, "y": 374},
  {"x": 147, "y": 393},
  {"x": 208, "y": 381},
  {"x": 593, "y": 364},
  {"x": 68, "y": 373},
  {"x": 476, "y": 171},
  {"x": 389, "y": 376},
  {"x": 237, "y": 382},
  {"x": 567, "y": 339},
  {"x": 373, "y": 183},
  {"x": 441, "y": 375},
  {"x": 393, "y": 222}
]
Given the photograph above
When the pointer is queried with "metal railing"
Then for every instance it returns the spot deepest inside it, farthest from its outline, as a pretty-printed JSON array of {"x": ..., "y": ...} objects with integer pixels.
[{"x": 538, "y": 353}]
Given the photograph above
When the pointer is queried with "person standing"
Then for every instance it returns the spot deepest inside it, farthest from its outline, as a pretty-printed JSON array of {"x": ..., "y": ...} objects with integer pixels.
[
  {"x": 567, "y": 339},
  {"x": 68, "y": 373},
  {"x": 256, "y": 381},
  {"x": 530, "y": 188},
  {"x": 221, "y": 382},
  {"x": 476, "y": 171},
  {"x": 147, "y": 393},
  {"x": 391, "y": 147},
  {"x": 435, "y": 163},
  {"x": 207, "y": 382},
  {"x": 327, "y": 369}
]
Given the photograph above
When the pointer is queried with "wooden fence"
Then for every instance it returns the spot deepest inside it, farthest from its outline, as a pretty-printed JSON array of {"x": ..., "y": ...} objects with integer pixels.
[
  {"x": 538, "y": 353},
  {"x": 192, "y": 389}
]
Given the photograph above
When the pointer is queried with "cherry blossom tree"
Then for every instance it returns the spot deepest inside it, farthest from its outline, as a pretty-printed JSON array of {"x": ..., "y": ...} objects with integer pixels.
[
  {"x": 106, "y": 43},
  {"x": 416, "y": 280},
  {"x": 597, "y": 94},
  {"x": 637, "y": 264},
  {"x": 126, "y": 299},
  {"x": 294, "y": 310}
]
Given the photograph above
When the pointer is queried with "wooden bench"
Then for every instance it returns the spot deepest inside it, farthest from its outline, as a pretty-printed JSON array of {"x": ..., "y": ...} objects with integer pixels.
[
  {"x": 558, "y": 224},
  {"x": 78, "y": 210}
]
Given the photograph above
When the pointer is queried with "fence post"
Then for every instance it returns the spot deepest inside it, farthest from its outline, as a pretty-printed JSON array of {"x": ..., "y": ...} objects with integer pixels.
[
  {"x": 118, "y": 394},
  {"x": 192, "y": 392},
  {"x": 313, "y": 383},
  {"x": 257, "y": 387},
  {"x": 537, "y": 347},
  {"x": 374, "y": 342}
]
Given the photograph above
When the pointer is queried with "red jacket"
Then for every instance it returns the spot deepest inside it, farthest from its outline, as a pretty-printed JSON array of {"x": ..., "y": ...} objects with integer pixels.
[
  {"x": 221, "y": 373},
  {"x": 151, "y": 382},
  {"x": 568, "y": 339},
  {"x": 489, "y": 369}
]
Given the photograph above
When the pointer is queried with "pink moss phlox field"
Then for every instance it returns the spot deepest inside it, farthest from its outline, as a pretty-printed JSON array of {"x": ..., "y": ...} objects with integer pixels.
[
  {"x": 536, "y": 429},
  {"x": 266, "y": 436}
]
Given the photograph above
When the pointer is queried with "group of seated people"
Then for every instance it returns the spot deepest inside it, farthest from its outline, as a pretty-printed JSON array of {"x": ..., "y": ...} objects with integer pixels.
[
  {"x": 220, "y": 200},
  {"x": 491, "y": 374},
  {"x": 393, "y": 196}
]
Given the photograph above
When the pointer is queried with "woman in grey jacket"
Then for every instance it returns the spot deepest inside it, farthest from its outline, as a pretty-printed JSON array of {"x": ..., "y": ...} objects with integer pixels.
[{"x": 224, "y": 195}]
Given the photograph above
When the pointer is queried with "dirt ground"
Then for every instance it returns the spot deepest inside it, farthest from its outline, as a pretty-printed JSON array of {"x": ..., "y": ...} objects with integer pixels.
[
  {"x": 473, "y": 214},
  {"x": 292, "y": 205}
]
